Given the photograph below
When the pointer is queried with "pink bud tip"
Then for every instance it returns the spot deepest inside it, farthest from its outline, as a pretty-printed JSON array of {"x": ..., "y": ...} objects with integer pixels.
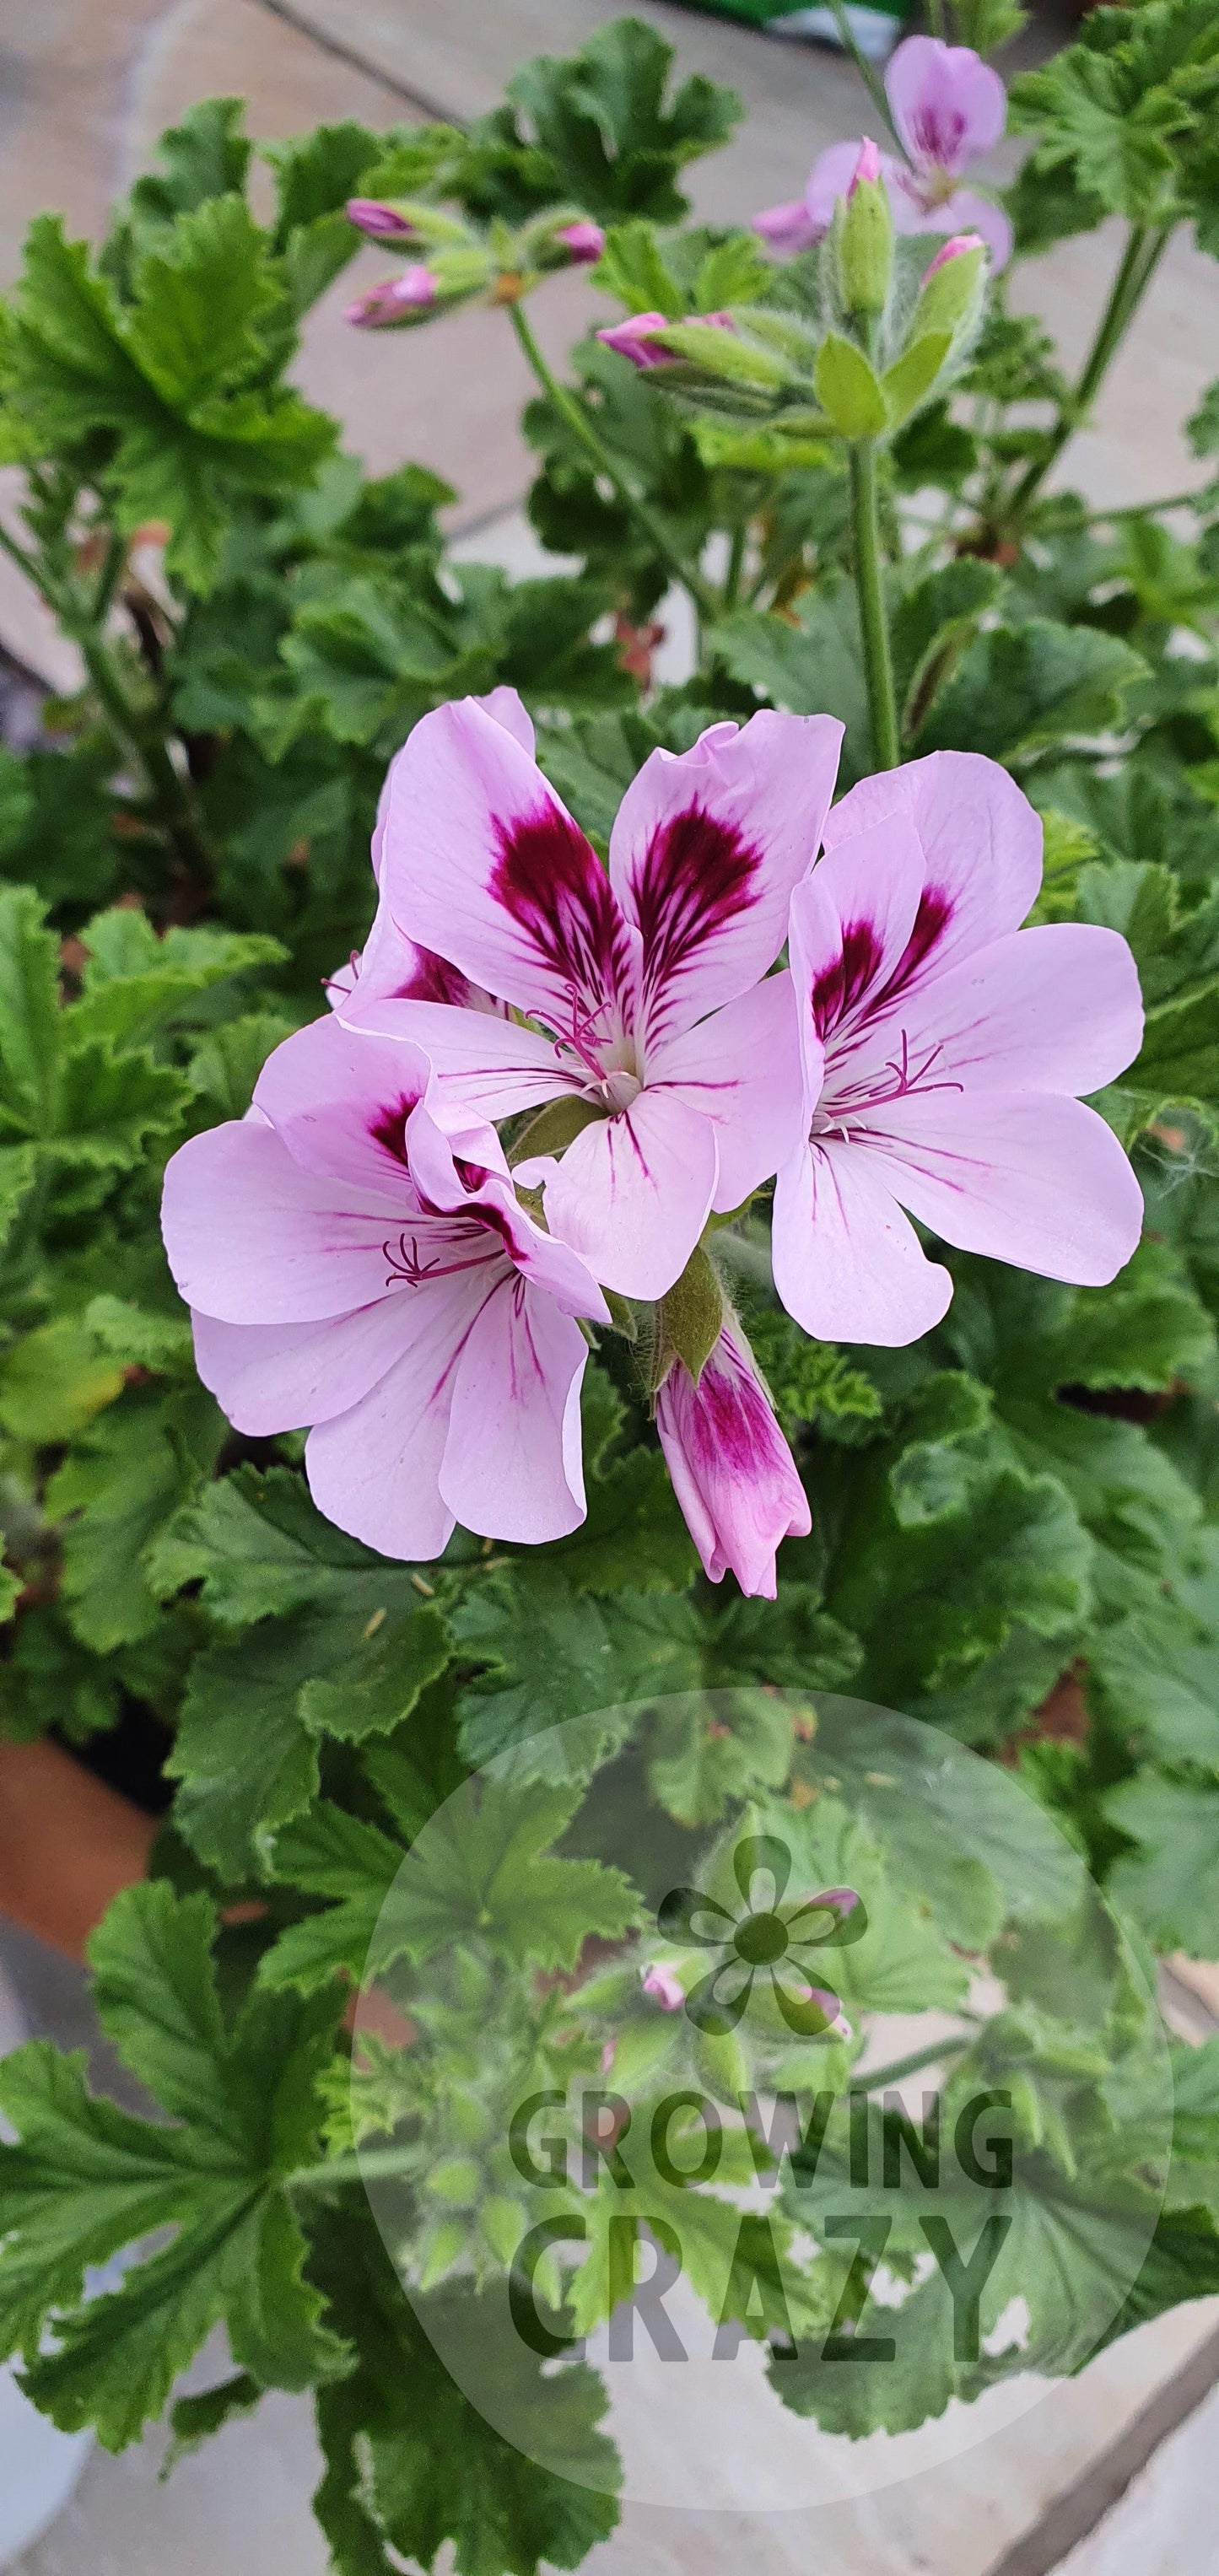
[
  {"x": 394, "y": 300},
  {"x": 664, "y": 1987},
  {"x": 952, "y": 250},
  {"x": 636, "y": 338},
  {"x": 383, "y": 222},
  {"x": 868, "y": 165},
  {"x": 584, "y": 241}
]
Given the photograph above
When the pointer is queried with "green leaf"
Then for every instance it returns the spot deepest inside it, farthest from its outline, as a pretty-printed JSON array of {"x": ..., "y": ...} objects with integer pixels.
[
  {"x": 52, "y": 1382},
  {"x": 809, "y": 660},
  {"x": 1170, "y": 1883},
  {"x": 931, "y": 626},
  {"x": 344, "y": 1643},
  {"x": 483, "y": 1871},
  {"x": 134, "y": 982},
  {"x": 201, "y": 305},
  {"x": 130, "y": 1470},
  {"x": 811, "y": 1382},
  {"x": 414, "y": 2463},
  {"x": 331, "y": 1854},
  {"x": 1021, "y": 688},
  {"x": 596, "y": 129},
  {"x": 84, "y": 2179},
  {"x": 908, "y": 382},
  {"x": 847, "y": 389}
]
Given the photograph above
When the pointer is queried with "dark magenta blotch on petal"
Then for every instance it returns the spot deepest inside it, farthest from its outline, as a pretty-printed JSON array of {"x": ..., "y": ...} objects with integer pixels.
[
  {"x": 548, "y": 877},
  {"x": 695, "y": 877},
  {"x": 930, "y": 922},
  {"x": 838, "y": 987}
]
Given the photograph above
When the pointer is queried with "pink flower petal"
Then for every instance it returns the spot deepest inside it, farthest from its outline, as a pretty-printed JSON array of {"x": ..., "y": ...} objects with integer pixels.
[
  {"x": 340, "y": 1103},
  {"x": 512, "y": 1466},
  {"x": 633, "y": 1193},
  {"x": 948, "y": 106},
  {"x": 965, "y": 212},
  {"x": 375, "y": 1471},
  {"x": 255, "y": 1240},
  {"x": 847, "y": 1264},
  {"x": 851, "y": 927},
  {"x": 789, "y": 227},
  {"x": 828, "y": 180},
  {"x": 504, "y": 706},
  {"x": 1056, "y": 1008},
  {"x": 283, "y": 1377},
  {"x": 482, "y": 863},
  {"x": 741, "y": 1069},
  {"x": 706, "y": 848},
  {"x": 483, "y": 1067},
  {"x": 1035, "y": 1180},
  {"x": 733, "y": 1473},
  {"x": 981, "y": 844}
]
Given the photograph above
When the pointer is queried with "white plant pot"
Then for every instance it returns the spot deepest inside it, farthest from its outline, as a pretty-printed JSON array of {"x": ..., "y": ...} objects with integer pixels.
[{"x": 39, "y": 2465}]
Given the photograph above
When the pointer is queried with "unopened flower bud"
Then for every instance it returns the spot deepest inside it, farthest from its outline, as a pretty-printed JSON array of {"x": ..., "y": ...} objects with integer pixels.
[
  {"x": 865, "y": 237},
  {"x": 951, "y": 285},
  {"x": 664, "y": 1987},
  {"x": 638, "y": 338},
  {"x": 394, "y": 301},
  {"x": 382, "y": 221},
  {"x": 583, "y": 241}
]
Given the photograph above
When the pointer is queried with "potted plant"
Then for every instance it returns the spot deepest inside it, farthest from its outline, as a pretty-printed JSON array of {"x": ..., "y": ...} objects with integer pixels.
[{"x": 735, "y": 1226}]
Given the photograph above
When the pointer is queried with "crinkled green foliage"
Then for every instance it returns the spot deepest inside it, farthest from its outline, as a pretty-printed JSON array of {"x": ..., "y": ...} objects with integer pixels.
[{"x": 1014, "y": 1521}]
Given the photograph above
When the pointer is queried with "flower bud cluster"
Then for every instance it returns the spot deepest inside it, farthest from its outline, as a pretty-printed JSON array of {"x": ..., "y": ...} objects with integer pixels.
[
  {"x": 452, "y": 262},
  {"x": 883, "y": 331}
]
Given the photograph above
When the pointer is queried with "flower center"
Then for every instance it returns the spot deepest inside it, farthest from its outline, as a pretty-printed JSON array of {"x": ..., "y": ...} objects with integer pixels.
[
  {"x": 760, "y": 1938},
  {"x": 621, "y": 1088}
]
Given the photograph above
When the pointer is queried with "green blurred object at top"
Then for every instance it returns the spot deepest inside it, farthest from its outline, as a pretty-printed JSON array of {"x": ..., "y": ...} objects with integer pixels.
[{"x": 875, "y": 31}]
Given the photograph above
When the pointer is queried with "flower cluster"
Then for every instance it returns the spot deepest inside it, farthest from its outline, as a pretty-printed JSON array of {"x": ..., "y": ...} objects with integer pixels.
[
  {"x": 948, "y": 109},
  {"x": 545, "y": 1078},
  {"x": 452, "y": 262}
]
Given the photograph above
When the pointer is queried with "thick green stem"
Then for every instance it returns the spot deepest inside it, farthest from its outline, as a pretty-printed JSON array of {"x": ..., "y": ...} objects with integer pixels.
[
  {"x": 578, "y": 422},
  {"x": 1144, "y": 250},
  {"x": 873, "y": 620},
  {"x": 867, "y": 74}
]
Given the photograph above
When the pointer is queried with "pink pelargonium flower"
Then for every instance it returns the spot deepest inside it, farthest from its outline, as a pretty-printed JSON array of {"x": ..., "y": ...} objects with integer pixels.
[
  {"x": 353, "y": 1269},
  {"x": 944, "y": 1053},
  {"x": 949, "y": 109},
  {"x": 645, "y": 993},
  {"x": 731, "y": 1467}
]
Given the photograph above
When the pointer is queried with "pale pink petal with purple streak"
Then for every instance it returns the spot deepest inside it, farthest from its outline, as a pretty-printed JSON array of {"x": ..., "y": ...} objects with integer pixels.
[
  {"x": 847, "y": 1264},
  {"x": 375, "y": 1471},
  {"x": 255, "y": 1240},
  {"x": 282, "y": 1377},
  {"x": 484, "y": 1067},
  {"x": 948, "y": 106},
  {"x": 1009, "y": 1018},
  {"x": 633, "y": 1193},
  {"x": 733, "y": 1473},
  {"x": 1032, "y": 1179},
  {"x": 706, "y": 847},
  {"x": 512, "y": 1467},
  {"x": 981, "y": 843},
  {"x": 741, "y": 1069},
  {"x": 483, "y": 863}
]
